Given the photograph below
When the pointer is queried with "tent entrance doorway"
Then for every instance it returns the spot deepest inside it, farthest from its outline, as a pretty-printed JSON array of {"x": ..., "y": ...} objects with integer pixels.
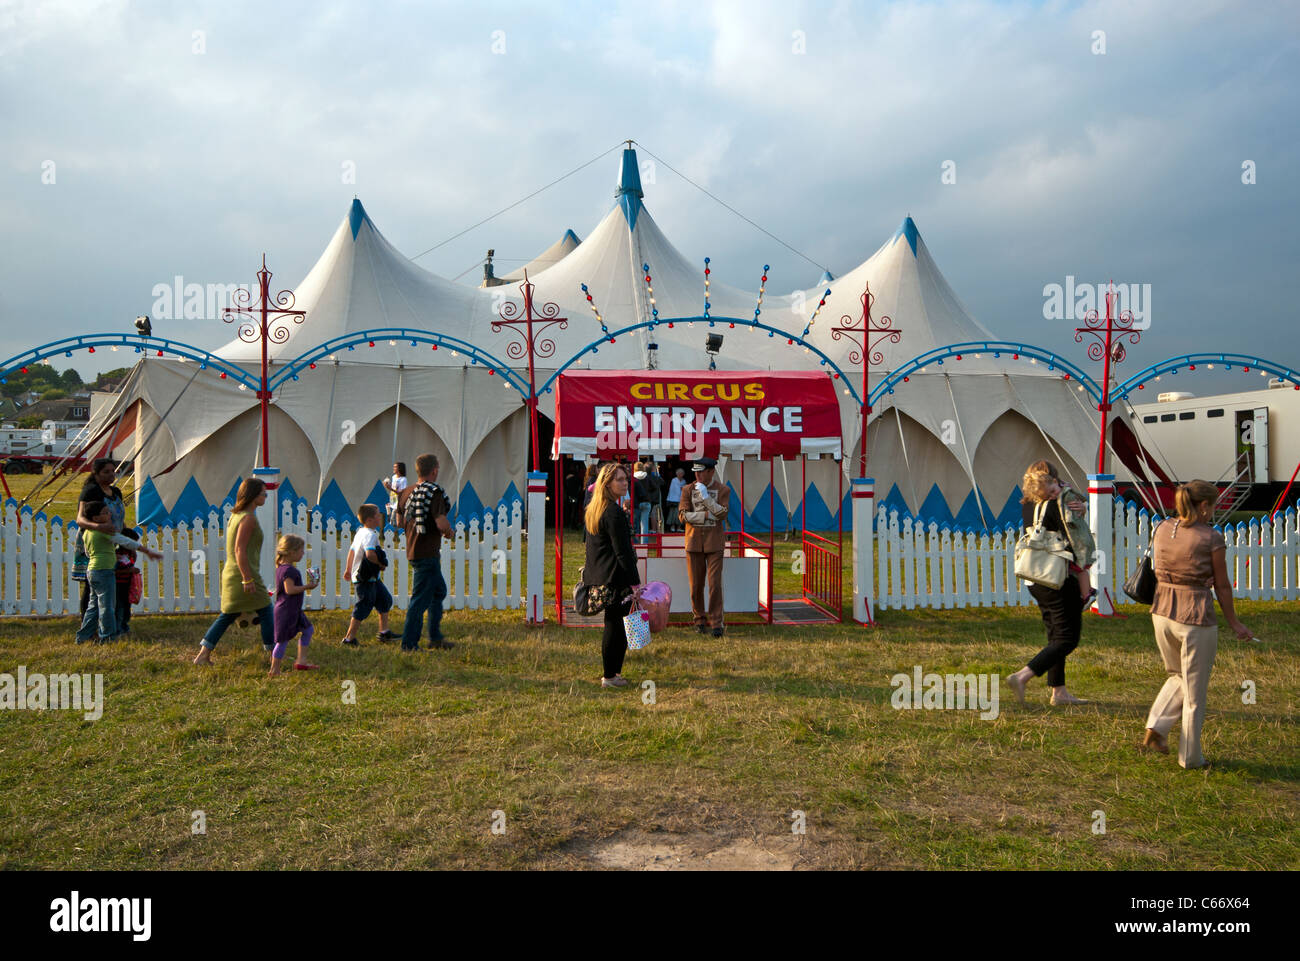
[{"x": 798, "y": 418}]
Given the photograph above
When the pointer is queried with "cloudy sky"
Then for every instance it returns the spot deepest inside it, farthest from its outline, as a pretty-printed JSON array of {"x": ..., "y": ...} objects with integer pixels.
[{"x": 141, "y": 141}]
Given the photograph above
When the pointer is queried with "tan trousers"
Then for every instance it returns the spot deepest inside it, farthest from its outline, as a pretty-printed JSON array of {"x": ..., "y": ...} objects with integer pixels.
[
  {"x": 698, "y": 566},
  {"x": 1188, "y": 651}
]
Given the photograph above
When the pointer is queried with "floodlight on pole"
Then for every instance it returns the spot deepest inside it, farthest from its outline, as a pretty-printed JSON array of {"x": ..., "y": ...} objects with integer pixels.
[{"x": 713, "y": 344}]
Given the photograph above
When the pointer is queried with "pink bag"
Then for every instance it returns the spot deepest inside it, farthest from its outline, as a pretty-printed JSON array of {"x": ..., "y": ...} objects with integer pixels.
[{"x": 655, "y": 599}]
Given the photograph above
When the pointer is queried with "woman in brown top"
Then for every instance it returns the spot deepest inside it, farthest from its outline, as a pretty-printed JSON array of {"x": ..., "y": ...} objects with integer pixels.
[{"x": 1188, "y": 558}]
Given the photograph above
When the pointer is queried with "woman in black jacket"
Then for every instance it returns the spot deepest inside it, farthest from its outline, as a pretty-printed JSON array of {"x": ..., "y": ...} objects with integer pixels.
[
  {"x": 611, "y": 560},
  {"x": 1062, "y": 608}
]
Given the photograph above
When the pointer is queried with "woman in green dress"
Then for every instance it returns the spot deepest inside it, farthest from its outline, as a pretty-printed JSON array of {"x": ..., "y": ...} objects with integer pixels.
[{"x": 242, "y": 589}]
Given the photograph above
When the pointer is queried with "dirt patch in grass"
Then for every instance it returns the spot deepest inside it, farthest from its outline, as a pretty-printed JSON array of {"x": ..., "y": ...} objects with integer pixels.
[{"x": 637, "y": 850}]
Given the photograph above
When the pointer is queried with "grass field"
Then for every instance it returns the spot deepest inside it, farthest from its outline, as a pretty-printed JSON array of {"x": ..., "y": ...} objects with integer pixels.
[{"x": 743, "y": 732}]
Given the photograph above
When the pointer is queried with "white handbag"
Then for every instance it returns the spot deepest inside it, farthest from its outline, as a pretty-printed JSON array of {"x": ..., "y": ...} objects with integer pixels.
[{"x": 1042, "y": 556}]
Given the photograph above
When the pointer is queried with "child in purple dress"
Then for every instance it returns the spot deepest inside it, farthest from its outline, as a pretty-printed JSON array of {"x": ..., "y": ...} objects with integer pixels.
[{"x": 290, "y": 621}]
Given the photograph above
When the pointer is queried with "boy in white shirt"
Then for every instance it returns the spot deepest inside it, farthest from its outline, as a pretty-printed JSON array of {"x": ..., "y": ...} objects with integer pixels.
[{"x": 365, "y": 562}]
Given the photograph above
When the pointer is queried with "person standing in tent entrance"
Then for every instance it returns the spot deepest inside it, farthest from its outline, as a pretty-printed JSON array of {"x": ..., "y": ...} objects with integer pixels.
[
  {"x": 641, "y": 496},
  {"x": 703, "y": 509},
  {"x": 675, "y": 499},
  {"x": 242, "y": 590},
  {"x": 422, "y": 510},
  {"x": 655, "y": 482},
  {"x": 1062, "y": 608},
  {"x": 395, "y": 485}
]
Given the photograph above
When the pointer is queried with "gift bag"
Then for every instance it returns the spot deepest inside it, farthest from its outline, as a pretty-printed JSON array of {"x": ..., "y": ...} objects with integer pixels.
[{"x": 637, "y": 627}]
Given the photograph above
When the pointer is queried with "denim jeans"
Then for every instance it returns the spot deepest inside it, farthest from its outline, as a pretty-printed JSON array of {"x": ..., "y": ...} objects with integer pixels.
[
  {"x": 643, "y": 518},
  {"x": 266, "y": 621},
  {"x": 428, "y": 591},
  {"x": 102, "y": 606}
]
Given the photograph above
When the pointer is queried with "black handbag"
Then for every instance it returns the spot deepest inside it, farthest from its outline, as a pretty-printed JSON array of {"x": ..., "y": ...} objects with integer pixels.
[
  {"x": 590, "y": 599},
  {"x": 1141, "y": 584}
]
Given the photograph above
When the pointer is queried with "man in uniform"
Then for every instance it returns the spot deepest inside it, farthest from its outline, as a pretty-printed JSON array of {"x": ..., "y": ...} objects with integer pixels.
[{"x": 703, "y": 509}]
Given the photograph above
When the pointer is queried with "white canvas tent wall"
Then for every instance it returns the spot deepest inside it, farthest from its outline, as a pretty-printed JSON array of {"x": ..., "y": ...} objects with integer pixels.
[
  {"x": 333, "y": 429},
  {"x": 548, "y": 258}
]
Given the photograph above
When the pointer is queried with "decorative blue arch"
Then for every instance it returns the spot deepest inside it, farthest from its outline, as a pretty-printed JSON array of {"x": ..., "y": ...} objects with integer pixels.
[
  {"x": 1014, "y": 351},
  {"x": 711, "y": 321},
  {"x": 138, "y": 344},
  {"x": 1189, "y": 361},
  {"x": 412, "y": 336}
]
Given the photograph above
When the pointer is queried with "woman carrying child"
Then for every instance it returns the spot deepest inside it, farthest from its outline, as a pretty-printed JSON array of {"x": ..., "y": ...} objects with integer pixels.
[
  {"x": 1062, "y": 607},
  {"x": 101, "y": 552},
  {"x": 290, "y": 591}
]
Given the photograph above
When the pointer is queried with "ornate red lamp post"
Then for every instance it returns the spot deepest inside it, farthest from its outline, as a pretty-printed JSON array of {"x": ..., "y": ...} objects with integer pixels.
[
  {"x": 861, "y": 334},
  {"x": 271, "y": 327},
  {"x": 1108, "y": 348},
  {"x": 1107, "y": 345},
  {"x": 524, "y": 323}
]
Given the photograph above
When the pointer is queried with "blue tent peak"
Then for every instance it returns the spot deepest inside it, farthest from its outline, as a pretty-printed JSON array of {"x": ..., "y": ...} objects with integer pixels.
[
  {"x": 356, "y": 214},
  {"x": 629, "y": 188},
  {"x": 908, "y": 229},
  {"x": 570, "y": 234},
  {"x": 827, "y": 277}
]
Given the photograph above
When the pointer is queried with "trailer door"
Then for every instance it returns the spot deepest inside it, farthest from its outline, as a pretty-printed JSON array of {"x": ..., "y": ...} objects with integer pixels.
[{"x": 1261, "y": 445}]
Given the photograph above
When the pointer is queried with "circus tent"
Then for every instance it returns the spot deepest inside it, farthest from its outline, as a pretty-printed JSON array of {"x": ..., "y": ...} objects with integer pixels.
[{"x": 951, "y": 431}]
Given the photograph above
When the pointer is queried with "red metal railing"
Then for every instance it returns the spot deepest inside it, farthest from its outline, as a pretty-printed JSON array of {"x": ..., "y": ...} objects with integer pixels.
[{"x": 822, "y": 575}]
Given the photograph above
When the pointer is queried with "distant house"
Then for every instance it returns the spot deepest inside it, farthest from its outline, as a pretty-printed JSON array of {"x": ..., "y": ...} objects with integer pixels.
[
  {"x": 27, "y": 398},
  {"x": 72, "y": 411}
]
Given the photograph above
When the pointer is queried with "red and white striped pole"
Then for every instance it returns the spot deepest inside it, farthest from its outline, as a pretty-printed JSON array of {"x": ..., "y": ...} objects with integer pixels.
[
  {"x": 864, "y": 503},
  {"x": 536, "y": 546}
]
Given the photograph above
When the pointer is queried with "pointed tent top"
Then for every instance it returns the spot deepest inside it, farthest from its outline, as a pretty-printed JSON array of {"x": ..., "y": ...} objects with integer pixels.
[
  {"x": 570, "y": 236},
  {"x": 629, "y": 192},
  {"x": 356, "y": 214},
  {"x": 908, "y": 229},
  {"x": 827, "y": 277}
]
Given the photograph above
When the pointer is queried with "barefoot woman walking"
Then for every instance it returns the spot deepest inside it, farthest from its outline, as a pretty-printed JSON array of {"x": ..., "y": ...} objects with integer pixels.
[{"x": 1062, "y": 608}]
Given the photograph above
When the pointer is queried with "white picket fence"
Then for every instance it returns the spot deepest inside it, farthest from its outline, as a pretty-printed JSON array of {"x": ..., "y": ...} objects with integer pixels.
[
  {"x": 920, "y": 564},
  {"x": 481, "y": 563}
]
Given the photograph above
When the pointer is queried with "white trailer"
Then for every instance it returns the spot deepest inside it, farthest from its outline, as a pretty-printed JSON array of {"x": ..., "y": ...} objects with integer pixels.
[{"x": 1248, "y": 441}]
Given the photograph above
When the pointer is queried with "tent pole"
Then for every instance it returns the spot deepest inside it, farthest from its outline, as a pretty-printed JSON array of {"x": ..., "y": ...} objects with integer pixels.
[
  {"x": 397, "y": 411},
  {"x": 559, "y": 542}
]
